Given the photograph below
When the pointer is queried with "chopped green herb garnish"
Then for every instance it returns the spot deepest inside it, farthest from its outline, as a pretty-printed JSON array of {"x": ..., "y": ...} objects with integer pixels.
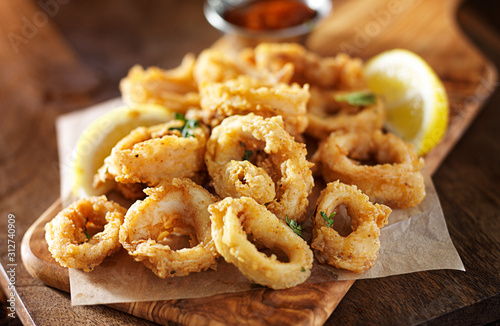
[
  {"x": 189, "y": 124},
  {"x": 85, "y": 230},
  {"x": 248, "y": 153},
  {"x": 362, "y": 98},
  {"x": 179, "y": 116},
  {"x": 303, "y": 269},
  {"x": 294, "y": 226},
  {"x": 328, "y": 219}
]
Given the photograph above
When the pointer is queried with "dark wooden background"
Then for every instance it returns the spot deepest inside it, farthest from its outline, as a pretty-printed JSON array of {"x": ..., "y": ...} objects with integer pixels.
[{"x": 77, "y": 58}]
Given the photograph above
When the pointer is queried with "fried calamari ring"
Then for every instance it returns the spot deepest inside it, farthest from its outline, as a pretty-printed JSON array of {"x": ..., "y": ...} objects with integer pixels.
[
  {"x": 359, "y": 250},
  {"x": 339, "y": 72},
  {"x": 172, "y": 208},
  {"x": 245, "y": 95},
  {"x": 151, "y": 154},
  {"x": 242, "y": 178},
  {"x": 327, "y": 115},
  {"x": 266, "y": 144},
  {"x": 382, "y": 165},
  {"x": 217, "y": 65},
  {"x": 68, "y": 233},
  {"x": 232, "y": 219},
  {"x": 175, "y": 89}
]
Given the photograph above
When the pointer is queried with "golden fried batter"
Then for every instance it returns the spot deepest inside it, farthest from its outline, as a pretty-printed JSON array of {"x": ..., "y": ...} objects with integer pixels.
[
  {"x": 84, "y": 233},
  {"x": 176, "y": 207},
  {"x": 245, "y": 95},
  {"x": 382, "y": 165},
  {"x": 357, "y": 251},
  {"x": 327, "y": 115},
  {"x": 174, "y": 89},
  {"x": 266, "y": 144},
  {"x": 151, "y": 154},
  {"x": 232, "y": 219},
  {"x": 242, "y": 178},
  {"x": 340, "y": 72}
]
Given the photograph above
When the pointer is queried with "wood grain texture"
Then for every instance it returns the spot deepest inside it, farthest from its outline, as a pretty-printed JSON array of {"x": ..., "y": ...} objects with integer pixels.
[
  {"x": 428, "y": 28},
  {"x": 41, "y": 77},
  {"x": 467, "y": 91}
]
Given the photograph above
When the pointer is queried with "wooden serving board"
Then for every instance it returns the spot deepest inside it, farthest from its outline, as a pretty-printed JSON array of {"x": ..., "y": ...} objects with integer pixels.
[{"x": 363, "y": 28}]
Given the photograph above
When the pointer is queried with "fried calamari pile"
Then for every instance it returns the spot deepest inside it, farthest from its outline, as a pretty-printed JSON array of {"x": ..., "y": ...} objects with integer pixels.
[{"x": 229, "y": 175}]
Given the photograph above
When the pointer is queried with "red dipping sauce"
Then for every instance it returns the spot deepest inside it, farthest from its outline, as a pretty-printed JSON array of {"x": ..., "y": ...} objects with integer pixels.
[{"x": 265, "y": 15}]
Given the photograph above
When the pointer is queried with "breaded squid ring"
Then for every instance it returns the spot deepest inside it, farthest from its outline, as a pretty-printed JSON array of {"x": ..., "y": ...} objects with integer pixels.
[
  {"x": 359, "y": 250},
  {"x": 69, "y": 240},
  {"x": 232, "y": 219},
  {"x": 326, "y": 115},
  {"x": 175, "y": 89},
  {"x": 242, "y": 178},
  {"x": 151, "y": 154},
  {"x": 245, "y": 95},
  {"x": 216, "y": 65},
  {"x": 175, "y": 207},
  {"x": 270, "y": 147},
  {"x": 382, "y": 165},
  {"x": 339, "y": 72}
]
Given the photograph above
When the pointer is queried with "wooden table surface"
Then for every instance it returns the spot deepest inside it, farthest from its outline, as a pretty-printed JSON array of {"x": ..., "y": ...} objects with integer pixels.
[{"x": 76, "y": 57}]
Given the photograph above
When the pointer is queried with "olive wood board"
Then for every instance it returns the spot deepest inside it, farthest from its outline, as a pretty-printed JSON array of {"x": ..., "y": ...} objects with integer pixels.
[{"x": 426, "y": 27}]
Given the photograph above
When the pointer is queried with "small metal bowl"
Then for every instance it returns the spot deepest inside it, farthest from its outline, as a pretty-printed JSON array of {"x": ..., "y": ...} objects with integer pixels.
[{"x": 215, "y": 9}]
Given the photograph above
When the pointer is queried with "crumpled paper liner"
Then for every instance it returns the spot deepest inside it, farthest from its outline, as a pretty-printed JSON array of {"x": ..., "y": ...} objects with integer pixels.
[{"x": 415, "y": 240}]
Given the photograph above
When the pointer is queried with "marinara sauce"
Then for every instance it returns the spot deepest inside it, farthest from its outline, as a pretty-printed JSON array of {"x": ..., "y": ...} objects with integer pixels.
[{"x": 262, "y": 15}]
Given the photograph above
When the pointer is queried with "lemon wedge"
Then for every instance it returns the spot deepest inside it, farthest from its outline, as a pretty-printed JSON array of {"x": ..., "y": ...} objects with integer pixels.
[
  {"x": 97, "y": 140},
  {"x": 414, "y": 96}
]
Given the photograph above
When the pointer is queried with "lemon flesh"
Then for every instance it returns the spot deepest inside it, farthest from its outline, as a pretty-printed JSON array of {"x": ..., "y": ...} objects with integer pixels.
[
  {"x": 97, "y": 140},
  {"x": 414, "y": 96}
]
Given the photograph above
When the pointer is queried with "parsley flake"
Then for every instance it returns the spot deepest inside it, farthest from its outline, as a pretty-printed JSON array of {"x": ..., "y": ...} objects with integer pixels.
[
  {"x": 294, "y": 226},
  {"x": 86, "y": 231},
  {"x": 189, "y": 124},
  {"x": 247, "y": 154},
  {"x": 328, "y": 219},
  {"x": 361, "y": 98}
]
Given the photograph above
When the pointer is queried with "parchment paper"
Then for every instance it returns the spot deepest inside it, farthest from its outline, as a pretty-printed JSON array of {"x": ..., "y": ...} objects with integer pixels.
[{"x": 415, "y": 240}]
